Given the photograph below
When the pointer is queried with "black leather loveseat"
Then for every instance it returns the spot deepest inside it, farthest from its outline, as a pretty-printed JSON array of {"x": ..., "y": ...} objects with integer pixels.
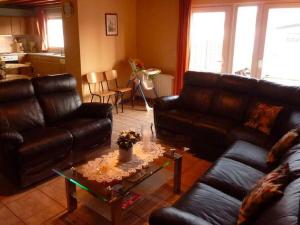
[
  {"x": 42, "y": 121},
  {"x": 217, "y": 196},
  {"x": 212, "y": 110}
]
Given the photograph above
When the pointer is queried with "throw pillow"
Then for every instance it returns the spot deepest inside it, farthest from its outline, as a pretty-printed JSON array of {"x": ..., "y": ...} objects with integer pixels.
[
  {"x": 263, "y": 116},
  {"x": 264, "y": 192},
  {"x": 281, "y": 147}
]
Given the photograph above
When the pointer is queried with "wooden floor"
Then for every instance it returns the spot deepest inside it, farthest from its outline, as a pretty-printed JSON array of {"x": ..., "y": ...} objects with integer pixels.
[{"x": 46, "y": 203}]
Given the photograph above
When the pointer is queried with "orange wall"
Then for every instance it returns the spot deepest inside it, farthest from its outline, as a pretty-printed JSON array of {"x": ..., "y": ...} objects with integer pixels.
[
  {"x": 72, "y": 49},
  {"x": 98, "y": 51},
  {"x": 157, "y": 29}
]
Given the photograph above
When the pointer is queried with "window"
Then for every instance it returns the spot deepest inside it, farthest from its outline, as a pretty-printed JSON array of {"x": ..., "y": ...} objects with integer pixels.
[
  {"x": 55, "y": 33},
  {"x": 258, "y": 40},
  {"x": 207, "y": 41},
  {"x": 55, "y": 28},
  {"x": 282, "y": 45},
  {"x": 244, "y": 39}
]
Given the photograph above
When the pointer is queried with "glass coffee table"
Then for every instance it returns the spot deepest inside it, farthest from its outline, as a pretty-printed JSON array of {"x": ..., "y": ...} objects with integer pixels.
[{"x": 114, "y": 193}]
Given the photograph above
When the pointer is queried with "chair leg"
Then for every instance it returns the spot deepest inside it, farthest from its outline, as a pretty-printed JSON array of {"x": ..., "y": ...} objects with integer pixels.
[
  {"x": 92, "y": 98},
  {"x": 116, "y": 103},
  {"x": 143, "y": 95},
  {"x": 122, "y": 102},
  {"x": 133, "y": 91},
  {"x": 155, "y": 92},
  {"x": 108, "y": 99},
  {"x": 132, "y": 99}
]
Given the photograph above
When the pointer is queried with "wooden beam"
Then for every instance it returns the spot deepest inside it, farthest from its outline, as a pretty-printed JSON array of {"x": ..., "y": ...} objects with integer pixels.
[{"x": 30, "y": 2}]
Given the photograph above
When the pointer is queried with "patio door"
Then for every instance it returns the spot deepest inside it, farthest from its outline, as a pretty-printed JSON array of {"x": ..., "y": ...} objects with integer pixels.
[{"x": 209, "y": 39}]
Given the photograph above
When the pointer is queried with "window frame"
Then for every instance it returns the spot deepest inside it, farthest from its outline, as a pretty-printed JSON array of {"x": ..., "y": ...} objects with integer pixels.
[{"x": 263, "y": 8}]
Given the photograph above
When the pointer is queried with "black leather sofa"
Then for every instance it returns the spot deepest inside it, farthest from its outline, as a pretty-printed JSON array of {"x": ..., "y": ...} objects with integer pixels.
[
  {"x": 216, "y": 198},
  {"x": 211, "y": 109},
  {"x": 43, "y": 121}
]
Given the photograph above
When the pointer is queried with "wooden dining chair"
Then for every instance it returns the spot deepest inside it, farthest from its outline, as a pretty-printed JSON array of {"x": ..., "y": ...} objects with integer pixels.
[
  {"x": 112, "y": 79},
  {"x": 98, "y": 87}
]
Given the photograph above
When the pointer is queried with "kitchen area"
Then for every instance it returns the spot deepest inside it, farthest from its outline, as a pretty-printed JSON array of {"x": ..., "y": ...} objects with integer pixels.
[{"x": 31, "y": 41}]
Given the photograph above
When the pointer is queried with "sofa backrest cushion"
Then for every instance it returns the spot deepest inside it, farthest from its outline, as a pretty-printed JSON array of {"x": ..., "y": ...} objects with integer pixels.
[
  {"x": 19, "y": 106},
  {"x": 198, "y": 99},
  {"x": 229, "y": 104},
  {"x": 290, "y": 120},
  {"x": 57, "y": 95},
  {"x": 199, "y": 90},
  {"x": 284, "y": 210},
  {"x": 238, "y": 84},
  {"x": 233, "y": 96},
  {"x": 277, "y": 93},
  {"x": 292, "y": 157}
]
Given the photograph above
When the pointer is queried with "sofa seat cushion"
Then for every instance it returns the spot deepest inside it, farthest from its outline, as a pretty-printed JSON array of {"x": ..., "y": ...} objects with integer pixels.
[
  {"x": 232, "y": 177},
  {"x": 210, "y": 204},
  {"x": 178, "y": 120},
  {"x": 213, "y": 128},
  {"x": 87, "y": 132},
  {"x": 44, "y": 145},
  {"x": 249, "y": 154},
  {"x": 250, "y": 135}
]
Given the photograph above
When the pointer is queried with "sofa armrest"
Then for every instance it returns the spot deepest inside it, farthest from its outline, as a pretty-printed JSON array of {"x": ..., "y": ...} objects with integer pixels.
[
  {"x": 166, "y": 103},
  {"x": 11, "y": 136},
  {"x": 95, "y": 110},
  {"x": 173, "y": 216}
]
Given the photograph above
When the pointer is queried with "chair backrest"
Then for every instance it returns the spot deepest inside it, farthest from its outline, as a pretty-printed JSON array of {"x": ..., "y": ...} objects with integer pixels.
[
  {"x": 111, "y": 75},
  {"x": 95, "y": 77}
]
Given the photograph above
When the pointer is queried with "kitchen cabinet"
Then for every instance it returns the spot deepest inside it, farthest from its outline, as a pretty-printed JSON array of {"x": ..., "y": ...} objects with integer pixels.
[
  {"x": 18, "y": 26},
  {"x": 5, "y": 25},
  {"x": 12, "y": 25},
  {"x": 30, "y": 26},
  {"x": 45, "y": 65}
]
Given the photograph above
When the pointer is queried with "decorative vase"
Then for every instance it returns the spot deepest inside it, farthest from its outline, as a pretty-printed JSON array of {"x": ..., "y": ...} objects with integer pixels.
[{"x": 125, "y": 155}]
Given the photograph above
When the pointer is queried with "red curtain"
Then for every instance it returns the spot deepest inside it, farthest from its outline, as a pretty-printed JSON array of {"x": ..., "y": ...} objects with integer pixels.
[
  {"x": 185, "y": 7},
  {"x": 42, "y": 29}
]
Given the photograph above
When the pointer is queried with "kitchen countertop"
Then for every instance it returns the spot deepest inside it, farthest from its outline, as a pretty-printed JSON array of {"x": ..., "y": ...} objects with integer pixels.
[{"x": 49, "y": 54}]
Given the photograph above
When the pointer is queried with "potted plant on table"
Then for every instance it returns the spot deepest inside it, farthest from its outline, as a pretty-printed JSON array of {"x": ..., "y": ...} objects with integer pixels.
[{"x": 125, "y": 142}]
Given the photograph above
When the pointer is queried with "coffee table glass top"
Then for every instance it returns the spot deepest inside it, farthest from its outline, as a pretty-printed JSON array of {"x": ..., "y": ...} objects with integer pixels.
[{"x": 112, "y": 191}]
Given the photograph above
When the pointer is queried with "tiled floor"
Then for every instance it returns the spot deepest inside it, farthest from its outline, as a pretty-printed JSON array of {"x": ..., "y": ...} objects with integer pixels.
[{"x": 46, "y": 203}]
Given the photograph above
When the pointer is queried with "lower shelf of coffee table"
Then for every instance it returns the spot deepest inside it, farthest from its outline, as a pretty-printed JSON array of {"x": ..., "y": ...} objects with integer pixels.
[{"x": 144, "y": 189}]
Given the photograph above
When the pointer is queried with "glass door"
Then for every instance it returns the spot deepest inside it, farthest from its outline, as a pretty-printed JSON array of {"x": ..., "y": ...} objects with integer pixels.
[
  {"x": 244, "y": 40},
  {"x": 209, "y": 39},
  {"x": 282, "y": 45}
]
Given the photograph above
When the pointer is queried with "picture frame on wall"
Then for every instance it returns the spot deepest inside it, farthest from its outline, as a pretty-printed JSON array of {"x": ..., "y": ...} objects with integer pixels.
[{"x": 111, "y": 24}]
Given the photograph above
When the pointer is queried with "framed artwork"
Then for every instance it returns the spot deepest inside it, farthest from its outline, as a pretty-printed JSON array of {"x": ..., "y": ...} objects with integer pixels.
[{"x": 111, "y": 24}]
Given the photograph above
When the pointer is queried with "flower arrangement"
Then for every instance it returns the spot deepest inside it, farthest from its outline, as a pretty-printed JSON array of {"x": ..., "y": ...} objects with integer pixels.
[{"x": 127, "y": 139}]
